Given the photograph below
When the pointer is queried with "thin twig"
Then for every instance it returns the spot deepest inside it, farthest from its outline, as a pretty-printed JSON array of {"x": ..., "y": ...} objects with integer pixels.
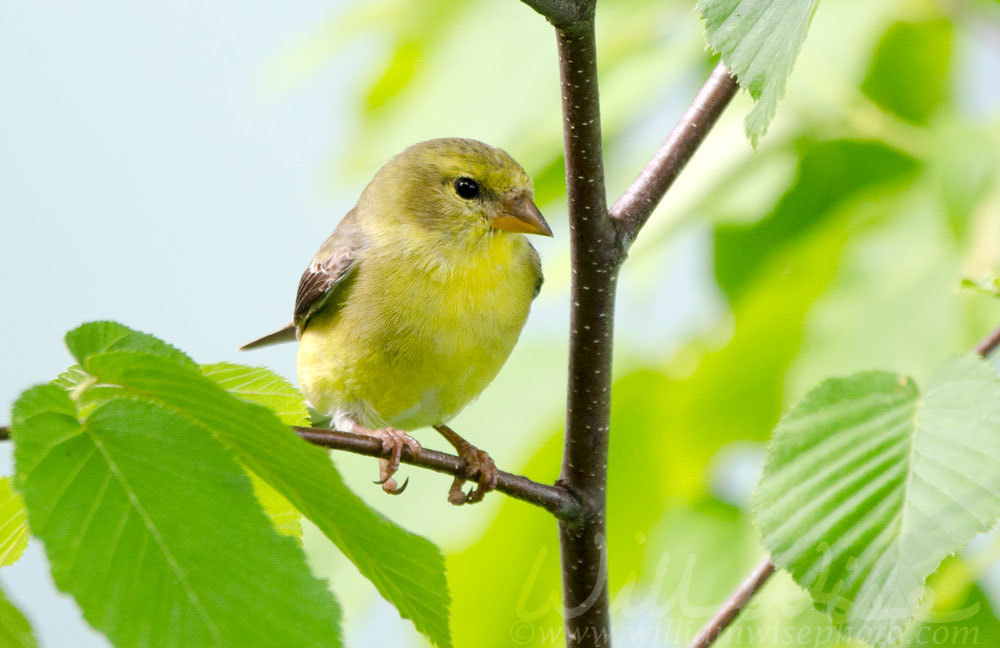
[
  {"x": 636, "y": 205},
  {"x": 554, "y": 499},
  {"x": 732, "y": 608},
  {"x": 755, "y": 581},
  {"x": 989, "y": 344}
]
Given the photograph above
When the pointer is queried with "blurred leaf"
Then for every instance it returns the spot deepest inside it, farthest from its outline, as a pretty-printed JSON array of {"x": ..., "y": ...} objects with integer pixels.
[
  {"x": 478, "y": 75},
  {"x": 989, "y": 286},
  {"x": 697, "y": 557},
  {"x": 829, "y": 174},
  {"x": 970, "y": 621},
  {"x": 515, "y": 600},
  {"x": 304, "y": 57},
  {"x": 406, "y": 569},
  {"x": 398, "y": 73},
  {"x": 14, "y": 530},
  {"x": 869, "y": 485},
  {"x": 894, "y": 301},
  {"x": 416, "y": 25},
  {"x": 759, "y": 41},
  {"x": 667, "y": 426},
  {"x": 139, "y": 508},
  {"x": 15, "y": 632},
  {"x": 960, "y": 613},
  {"x": 697, "y": 554},
  {"x": 965, "y": 163},
  {"x": 910, "y": 73}
]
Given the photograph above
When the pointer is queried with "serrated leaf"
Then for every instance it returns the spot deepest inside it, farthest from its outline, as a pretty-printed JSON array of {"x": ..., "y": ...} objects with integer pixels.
[
  {"x": 261, "y": 386},
  {"x": 99, "y": 337},
  {"x": 405, "y": 568},
  {"x": 759, "y": 41},
  {"x": 85, "y": 391},
  {"x": 870, "y": 484},
  {"x": 14, "y": 531},
  {"x": 15, "y": 631},
  {"x": 154, "y": 529}
]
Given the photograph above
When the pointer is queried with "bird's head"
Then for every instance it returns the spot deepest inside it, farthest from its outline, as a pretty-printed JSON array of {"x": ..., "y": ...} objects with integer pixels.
[{"x": 462, "y": 185}]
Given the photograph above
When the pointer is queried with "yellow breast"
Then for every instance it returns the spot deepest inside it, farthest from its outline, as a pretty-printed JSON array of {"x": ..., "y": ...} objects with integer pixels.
[{"x": 421, "y": 332}]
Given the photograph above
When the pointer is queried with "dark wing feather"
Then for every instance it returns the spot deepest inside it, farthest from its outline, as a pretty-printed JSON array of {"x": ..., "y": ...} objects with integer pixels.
[
  {"x": 537, "y": 262},
  {"x": 330, "y": 271}
]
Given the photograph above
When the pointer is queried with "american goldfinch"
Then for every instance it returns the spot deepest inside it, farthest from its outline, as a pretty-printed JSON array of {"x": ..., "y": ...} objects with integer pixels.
[{"x": 414, "y": 303}]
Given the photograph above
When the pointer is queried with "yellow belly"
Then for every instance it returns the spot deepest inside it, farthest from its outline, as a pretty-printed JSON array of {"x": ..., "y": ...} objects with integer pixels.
[{"x": 412, "y": 343}]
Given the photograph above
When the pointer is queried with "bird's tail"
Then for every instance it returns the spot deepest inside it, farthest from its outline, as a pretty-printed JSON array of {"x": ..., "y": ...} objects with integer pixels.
[{"x": 286, "y": 334}]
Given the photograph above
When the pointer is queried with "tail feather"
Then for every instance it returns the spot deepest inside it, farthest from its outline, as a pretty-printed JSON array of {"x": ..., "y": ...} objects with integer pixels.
[{"x": 286, "y": 334}]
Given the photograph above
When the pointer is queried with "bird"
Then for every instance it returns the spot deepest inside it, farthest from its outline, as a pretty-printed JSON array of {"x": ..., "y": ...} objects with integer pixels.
[{"x": 414, "y": 303}]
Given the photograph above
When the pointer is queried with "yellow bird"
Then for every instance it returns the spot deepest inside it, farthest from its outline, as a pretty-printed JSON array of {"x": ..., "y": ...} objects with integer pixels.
[{"x": 416, "y": 300}]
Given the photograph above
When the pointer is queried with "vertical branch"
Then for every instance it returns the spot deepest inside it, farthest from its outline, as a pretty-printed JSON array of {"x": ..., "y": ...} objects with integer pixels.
[
  {"x": 599, "y": 241},
  {"x": 595, "y": 261}
]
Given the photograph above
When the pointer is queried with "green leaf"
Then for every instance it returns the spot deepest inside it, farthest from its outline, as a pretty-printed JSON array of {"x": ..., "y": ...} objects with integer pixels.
[
  {"x": 909, "y": 75},
  {"x": 13, "y": 524},
  {"x": 828, "y": 175},
  {"x": 264, "y": 387},
  {"x": 153, "y": 528},
  {"x": 286, "y": 518},
  {"x": 524, "y": 587},
  {"x": 84, "y": 389},
  {"x": 261, "y": 386},
  {"x": 870, "y": 484},
  {"x": 100, "y": 337},
  {"x": 759, "y": 41},
  {"x": 405, "y": 568},
  {"x": 15, "y": 631},
  {"x": 989, "y": 286}
]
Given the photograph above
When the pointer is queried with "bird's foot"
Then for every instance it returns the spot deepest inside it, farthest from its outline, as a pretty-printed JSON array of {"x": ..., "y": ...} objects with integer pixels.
[
  {"x": 479, "y": 463},
  {"x": 393, "y": 441}
]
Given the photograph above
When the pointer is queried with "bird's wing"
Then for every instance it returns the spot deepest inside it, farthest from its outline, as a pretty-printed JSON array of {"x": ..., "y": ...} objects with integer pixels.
[
  {"x": 330, "y": 271},
  {"x": 537, "y": 262},
  {"x": 322, "y": 282}
]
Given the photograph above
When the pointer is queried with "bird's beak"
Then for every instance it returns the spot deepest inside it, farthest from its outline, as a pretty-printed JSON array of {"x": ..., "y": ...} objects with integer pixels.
[{"x": 519, "y": 214}]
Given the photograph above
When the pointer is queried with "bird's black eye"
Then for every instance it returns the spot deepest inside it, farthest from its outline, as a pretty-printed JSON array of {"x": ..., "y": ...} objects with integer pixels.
[{"x": 467, "y": 188}]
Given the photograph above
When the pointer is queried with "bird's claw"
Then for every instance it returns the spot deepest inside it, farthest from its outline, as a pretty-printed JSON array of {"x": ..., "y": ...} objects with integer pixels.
[
  {"x": 394, "y": 441},
  {"x": 389, "y": 485},
  {"x": 478, "y": 462}
]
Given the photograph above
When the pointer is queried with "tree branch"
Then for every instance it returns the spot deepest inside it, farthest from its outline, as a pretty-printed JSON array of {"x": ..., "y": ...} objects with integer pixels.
[
  {"x": 596, "y": 256},
  {"x": 988, "y": 344},
  {"x": 732, "y": 608},
  {"x": 636, "y": 205},
  {"x": 555, "y": 499},
  {"x": 558, "y": 12},
  {"x": 755, "y": 581}
]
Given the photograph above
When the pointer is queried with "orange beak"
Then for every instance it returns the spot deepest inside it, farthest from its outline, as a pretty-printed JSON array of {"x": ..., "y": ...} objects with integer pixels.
[{"x": 520, "y": 214}]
